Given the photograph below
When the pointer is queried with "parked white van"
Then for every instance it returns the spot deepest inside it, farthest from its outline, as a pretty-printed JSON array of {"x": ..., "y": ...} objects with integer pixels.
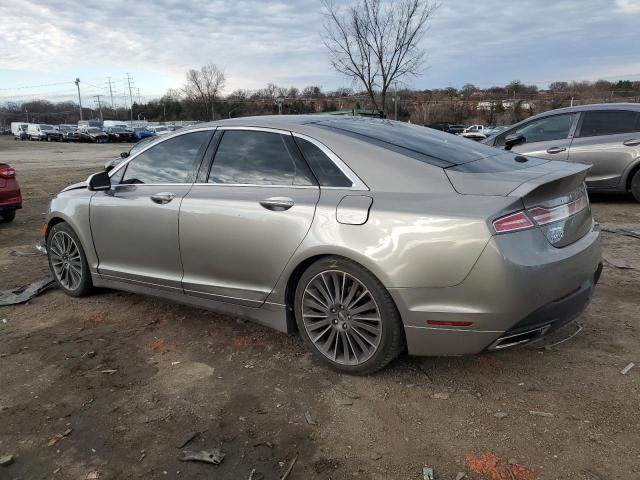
[
  {"x": 19, "y": 130},
  {"x": 37, "y": 131}
]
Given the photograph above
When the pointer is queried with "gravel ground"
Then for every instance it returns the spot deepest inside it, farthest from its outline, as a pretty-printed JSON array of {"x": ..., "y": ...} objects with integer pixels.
[{"x": 109, "y": 386}]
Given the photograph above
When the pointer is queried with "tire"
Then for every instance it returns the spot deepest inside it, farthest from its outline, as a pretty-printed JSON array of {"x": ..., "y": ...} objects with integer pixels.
[
  {"x": 635, "y": 185},
  {"x": 361, "y": 331},
  {"x": 8, "y": 215},
  {"x": 69, "y": 281}
]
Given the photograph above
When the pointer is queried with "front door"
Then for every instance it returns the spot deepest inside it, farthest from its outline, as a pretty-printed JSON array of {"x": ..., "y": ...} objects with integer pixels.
[
  {"x": 241, "y": 225},
  {"x": 135, "y": 224}
]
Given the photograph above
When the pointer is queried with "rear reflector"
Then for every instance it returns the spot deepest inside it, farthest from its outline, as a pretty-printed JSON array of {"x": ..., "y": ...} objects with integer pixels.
[
  {"x": 447, "y": 323},
  {"x": 543, "y": 216},
  {"x": 511, "y": 223},
  {"x": 7, "y": 172}
]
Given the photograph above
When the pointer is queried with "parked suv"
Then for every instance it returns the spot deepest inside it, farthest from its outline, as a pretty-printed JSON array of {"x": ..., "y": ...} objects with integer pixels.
[{"x": 606, "y": 136}]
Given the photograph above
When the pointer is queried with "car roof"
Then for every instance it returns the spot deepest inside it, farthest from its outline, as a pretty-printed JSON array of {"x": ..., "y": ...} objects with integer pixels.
[{"x": 592, "y": 106}]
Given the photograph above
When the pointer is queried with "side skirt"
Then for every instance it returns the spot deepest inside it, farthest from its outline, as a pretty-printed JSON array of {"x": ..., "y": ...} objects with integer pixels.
[{"x": 270, "y": 315}]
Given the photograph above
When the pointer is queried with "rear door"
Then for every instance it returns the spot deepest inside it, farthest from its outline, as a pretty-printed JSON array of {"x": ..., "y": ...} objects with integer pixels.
[
  {"x": 609, "y": 140},
  {"x": 547, "y": 137},
  {"x": 242, "y": 222},
  {"x": 135, "y": 224}
]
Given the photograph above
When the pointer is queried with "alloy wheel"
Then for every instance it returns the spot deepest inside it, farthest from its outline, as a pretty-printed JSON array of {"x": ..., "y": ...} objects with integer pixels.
[
  {"x": 341, "y": 317},
  {"x": 65, "y": 260}
]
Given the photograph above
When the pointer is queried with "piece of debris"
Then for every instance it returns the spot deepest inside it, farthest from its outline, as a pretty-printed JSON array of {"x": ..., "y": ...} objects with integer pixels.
[
  {"x": 538, "y": 413},
  {"x": 187, "y": 438},
  {"x": 345, "y": 402},
  {"x": 617, "y": 262},
  {"x": 375, "y": 456},
  {"x": 349, "y": 394},
  {"x": 497, "y": 469},
  {"x": 442, "y": 396},
  {"x": 460, "y": 475},
  {"x": 309, "y": 418},
  {"x": 6, "y": 460},
  {"x": 92, "y": 476},
  {"x": 57, "y": 470},
  {"x": 59, "y": 436},
  {"x": 214, "y": 456},
  {"x": 290, "y": 469},
  {"x": 626, "y": 369},
  {"x": 427, "y": 473},
  {"x": 501, "y": 414},
  {"x": 25, "y": 293},
  {"x": 110, "y": 371},
  {"x": 255, "y": 475}
]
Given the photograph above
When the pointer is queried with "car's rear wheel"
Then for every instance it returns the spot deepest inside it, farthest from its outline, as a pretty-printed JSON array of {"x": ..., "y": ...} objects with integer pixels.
[
  {"x": 67, "y": 261},
  {"x": 8, "y": 215},
  {"x": 346, "y": 317},
  {"x": 635, "y": 185}
]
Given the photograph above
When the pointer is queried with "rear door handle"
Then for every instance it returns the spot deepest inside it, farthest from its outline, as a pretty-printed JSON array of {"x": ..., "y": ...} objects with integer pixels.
[
  {"x": 277, "y": 204},
  {"x": 632, "y": 143},
  {"x": 556, "y": 149},
  {"x": 163, "y": 197}
]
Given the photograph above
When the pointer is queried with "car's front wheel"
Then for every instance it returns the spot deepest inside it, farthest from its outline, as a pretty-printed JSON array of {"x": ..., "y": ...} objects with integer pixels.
[
  {"x": 8, "y": 215},
  {"x": 67, "y": 261},
  {"x": 635, "y": 185},
  {"x": 346, "y": 317}
]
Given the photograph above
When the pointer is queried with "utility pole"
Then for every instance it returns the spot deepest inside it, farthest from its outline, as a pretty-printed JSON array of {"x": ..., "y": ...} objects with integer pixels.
[
  {"x": 111, "y": 93},
  {"x": 139, "y": 101},
  {"x": 130, "y": 94},
  {"x": 395, "y": 100},
  {"x": 99, "y": 106},
  {"x": 77, "y": 82}
]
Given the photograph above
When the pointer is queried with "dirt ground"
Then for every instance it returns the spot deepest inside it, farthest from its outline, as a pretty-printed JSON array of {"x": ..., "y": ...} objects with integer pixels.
[{"x": 128, "y": 379}]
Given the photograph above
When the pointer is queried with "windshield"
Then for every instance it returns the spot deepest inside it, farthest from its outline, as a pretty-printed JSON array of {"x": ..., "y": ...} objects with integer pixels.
[
  {"x": 422, "y": 143},
  {"x": 93, "y": 130},
  {"x": 161, "y": 129},
  {"x": 117, "y": 130},
  {"x": 46, "y": 127}
]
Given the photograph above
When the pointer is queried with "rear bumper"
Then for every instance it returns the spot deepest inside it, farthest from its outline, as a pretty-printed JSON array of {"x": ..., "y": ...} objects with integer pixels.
[
  {"x": 10, "y": 196},
  {"x": 520, "y": 287}
]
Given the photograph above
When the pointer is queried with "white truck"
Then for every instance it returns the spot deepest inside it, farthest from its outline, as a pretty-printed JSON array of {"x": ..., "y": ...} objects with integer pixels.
[
  {"x": 37, "y": 131},
  {"x": 19, "y": 130}
]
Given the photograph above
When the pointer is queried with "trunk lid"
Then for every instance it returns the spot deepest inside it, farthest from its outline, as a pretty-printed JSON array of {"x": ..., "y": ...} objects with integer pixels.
[{"x": 552, "y": 192}]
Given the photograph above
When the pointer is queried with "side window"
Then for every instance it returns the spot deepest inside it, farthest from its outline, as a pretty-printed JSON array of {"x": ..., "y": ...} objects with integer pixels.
[
  {"x": 247, "y": 157},
  {"x": 172, "y": 161},
  {"x": 609, "y": 122},
  {"x": 546, "y": 129},
  {"x": 327, "y": 172}
]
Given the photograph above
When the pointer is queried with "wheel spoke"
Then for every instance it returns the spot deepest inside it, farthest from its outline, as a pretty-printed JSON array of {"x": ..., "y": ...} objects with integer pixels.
[
  {"x": 363, "y": 308},
  {"x": 66, "y": 260},
  {"x": 326, "y": 286},
  {"x": 318, "y": 299}
]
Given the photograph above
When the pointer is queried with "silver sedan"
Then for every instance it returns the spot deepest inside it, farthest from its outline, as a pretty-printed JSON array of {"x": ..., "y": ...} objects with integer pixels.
[{"x": 366, "y": 236}]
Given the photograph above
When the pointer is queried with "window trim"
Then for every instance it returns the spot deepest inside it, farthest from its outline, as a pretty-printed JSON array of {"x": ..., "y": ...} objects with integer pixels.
[
  {"x": 161, "y": 140},
  {"x": 357, "y": 184},
  {"x": 583, "y": 114}
]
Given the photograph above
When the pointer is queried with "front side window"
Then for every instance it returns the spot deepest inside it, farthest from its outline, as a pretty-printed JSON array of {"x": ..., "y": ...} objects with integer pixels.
[
  {"x": 609, "y": 122},
  {"x": 246, "y": 157},
  {"x": 327, "y": 172},
  {"x": 172, "y": 161},
  {"x": 544, "y": 129}
]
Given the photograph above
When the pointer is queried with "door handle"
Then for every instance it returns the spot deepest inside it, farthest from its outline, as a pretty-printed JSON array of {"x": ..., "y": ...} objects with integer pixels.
[
  {"x": 556, "y": 149},
  {"x": 632, "y": 143},
  {"x": 277, "y": 204},
  {"x": 163, "y": 197}
]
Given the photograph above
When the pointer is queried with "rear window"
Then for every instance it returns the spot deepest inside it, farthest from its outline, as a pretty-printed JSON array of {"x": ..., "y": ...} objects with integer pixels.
[
  {"x": 422, "y": 143},
  {"x": 609, "y": 122}
]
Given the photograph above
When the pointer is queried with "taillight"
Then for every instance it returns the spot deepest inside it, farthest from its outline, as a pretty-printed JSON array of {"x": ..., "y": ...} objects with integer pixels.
[
  {"x": 512, "y": 223},
  {"x": 7, "y": 172},
  {"x": 543, "y": 216}
]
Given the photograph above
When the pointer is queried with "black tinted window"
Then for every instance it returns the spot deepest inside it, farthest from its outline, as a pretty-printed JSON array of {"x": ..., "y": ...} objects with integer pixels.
[
  {"x": 422, "y": 143},
  {"x": 255, "y": 158},
  {"x": 327, "y": 172},
  {"x": 172, "y": 161},
  {"x": 609, "y": 122}
]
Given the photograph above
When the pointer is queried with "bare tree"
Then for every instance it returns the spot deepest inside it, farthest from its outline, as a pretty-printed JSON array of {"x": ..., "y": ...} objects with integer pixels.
[
  {"x": 204, "y": 85},
  {"x": 377, "y": 43}
]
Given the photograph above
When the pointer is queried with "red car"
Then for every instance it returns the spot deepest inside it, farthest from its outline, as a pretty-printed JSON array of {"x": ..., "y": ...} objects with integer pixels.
[{"x": 10, "y": 197}]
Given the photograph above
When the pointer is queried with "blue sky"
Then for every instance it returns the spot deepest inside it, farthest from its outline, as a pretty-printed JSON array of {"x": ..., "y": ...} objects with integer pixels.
[{"x": 485, "y": 42}]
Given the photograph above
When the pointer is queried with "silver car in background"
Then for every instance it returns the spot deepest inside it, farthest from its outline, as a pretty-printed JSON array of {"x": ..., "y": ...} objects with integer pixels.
[
  {"x": 605, "y": 136},
  {"x": 366, "y": 236}
]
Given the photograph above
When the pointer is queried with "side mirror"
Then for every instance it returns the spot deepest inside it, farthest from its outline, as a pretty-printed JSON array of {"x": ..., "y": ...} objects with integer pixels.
[
  {"x": 512, "y": 140},
  {"x": 124, "y": 154},
  {"x": 99, "y": 181}
]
